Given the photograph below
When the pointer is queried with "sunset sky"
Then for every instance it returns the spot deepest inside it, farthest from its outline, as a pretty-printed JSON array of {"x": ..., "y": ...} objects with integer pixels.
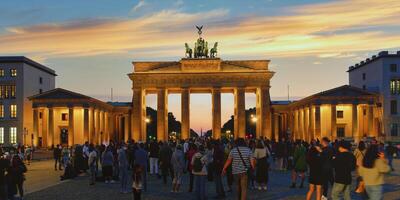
[{"x": 91, "y": 44}]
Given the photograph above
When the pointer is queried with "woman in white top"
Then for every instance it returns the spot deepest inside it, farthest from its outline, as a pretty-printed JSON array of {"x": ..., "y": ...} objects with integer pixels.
[{"x": 261, "y": 155}]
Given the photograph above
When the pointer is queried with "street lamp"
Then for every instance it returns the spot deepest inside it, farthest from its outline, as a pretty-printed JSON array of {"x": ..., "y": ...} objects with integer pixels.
[
  {"x": 253, "y": 118},
  {"x": 147, "y": 120}
]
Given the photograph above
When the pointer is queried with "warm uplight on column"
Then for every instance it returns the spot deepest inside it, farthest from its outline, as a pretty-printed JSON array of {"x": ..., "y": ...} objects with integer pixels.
[
  {"x": 253, "y": 118},
  {"x": 147, "y": 120}
]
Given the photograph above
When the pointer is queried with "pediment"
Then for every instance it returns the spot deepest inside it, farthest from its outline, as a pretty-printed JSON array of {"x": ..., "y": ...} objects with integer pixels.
[
  {"x": 59, "y": 93},
  {"x": 344, "y": 91}
]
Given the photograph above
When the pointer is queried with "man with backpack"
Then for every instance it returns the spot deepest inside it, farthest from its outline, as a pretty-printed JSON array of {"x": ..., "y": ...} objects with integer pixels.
[
  {"x": 241, "y": 158},
  {"x": 199, "y": 169}
]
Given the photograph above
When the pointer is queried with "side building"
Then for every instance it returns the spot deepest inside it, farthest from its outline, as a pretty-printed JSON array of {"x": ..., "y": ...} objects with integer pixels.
[
  {"x": 20, "y": 77},
  {"x": 381, "y": 74}
]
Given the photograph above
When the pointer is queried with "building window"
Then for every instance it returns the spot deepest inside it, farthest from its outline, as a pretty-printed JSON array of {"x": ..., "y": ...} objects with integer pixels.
[
  {"x": 1, "y": 135},
  {"x": 393, "y": 67},
  {"x": 2, "y": 91},
  {"x": 393, "y": 107},
  {"x": 13, "y": 91},
  {"x": 340, "y": 131},
  {"x": 394, "y": 86},
  {"x": 1, "y": 111},
  {"x": 64, "y": 116},
  {"x": 317, "y": 114},
  {"x": 13, "y": 135},
  {"x": 13, "y": 111},
  {"x": 364, "y": 76},
  {"x": 40, "y": 115},
  {"x": 40, "y": 80},
  {"x": 13, "y": 72},
  {"x": 393, "y": 129},
  {"x": 364, "y": 111},
  {"x": 1, "y": 72},
  {"x": 339, "y": 114},
  {"x": 40, "y": 91}
]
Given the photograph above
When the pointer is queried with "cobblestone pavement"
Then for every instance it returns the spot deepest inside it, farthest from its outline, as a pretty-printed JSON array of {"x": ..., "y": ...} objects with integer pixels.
[
  {"x": 278, "y": 189},
  {"x": 41, "y": 175}
]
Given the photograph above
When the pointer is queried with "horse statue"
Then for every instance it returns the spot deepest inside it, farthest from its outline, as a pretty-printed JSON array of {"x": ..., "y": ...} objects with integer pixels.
[
  {"x": 189, "y": 51},
  {"x": 201, "y": 49},
  {"x": 213, "y": 51}
]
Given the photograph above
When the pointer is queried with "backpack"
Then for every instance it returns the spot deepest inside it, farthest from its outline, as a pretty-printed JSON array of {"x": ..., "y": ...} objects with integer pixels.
[{"x": 197, "y": 164}]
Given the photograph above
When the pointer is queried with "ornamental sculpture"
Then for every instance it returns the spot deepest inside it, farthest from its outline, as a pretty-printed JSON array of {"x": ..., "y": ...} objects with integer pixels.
[{"x": 201, "y": 47}]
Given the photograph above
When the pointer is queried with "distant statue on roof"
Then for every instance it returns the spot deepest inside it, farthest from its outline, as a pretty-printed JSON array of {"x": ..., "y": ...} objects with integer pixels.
[
  {"x": 200, "y": 49},
  {"x": 213, "y": 51},
  {"x": 189, "y": 51}
]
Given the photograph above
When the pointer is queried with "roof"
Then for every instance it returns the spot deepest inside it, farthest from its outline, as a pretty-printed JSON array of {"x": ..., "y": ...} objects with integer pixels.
[
  {"x": 281, "y": 102},
  {"x": 120, "y": 103},
  {"x": 382, "y": 54},
  {"x": 59, "y": 93},
  {"x": 23, "y": 59}
]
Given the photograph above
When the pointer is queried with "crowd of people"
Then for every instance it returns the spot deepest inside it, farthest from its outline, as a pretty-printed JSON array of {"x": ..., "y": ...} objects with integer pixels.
[{"x": 247, "y": 162}]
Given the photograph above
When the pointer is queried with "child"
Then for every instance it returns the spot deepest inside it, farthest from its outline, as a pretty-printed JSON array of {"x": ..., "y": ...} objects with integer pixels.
[{"x": 137, "y": 182}]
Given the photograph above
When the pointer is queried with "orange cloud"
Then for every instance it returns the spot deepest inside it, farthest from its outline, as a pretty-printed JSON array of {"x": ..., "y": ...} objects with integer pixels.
[{"x": 325, "y": 29}]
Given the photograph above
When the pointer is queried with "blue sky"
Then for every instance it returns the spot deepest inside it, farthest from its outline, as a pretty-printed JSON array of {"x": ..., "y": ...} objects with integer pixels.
[{"x": 91, "y": 44}]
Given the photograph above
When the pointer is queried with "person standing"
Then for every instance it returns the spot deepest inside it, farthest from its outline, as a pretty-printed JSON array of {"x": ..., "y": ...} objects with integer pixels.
[
  {"x": 192, "y": 150},
  {"x": 165, "y": 160},
  {"x": 57, "y": 157},
  {"x": 154, "y": 151},
  {"x": 178, "y": 164},
  {"x": 107, "y": 160},
  {"x": 137, "y": 183},
  {"x": 390, "y": 151},
  {"x": 343, "y": 164},
  {"x": 359, "y": 154},
  {"x": 372, "y": 170},
  {"x": 92, "y": 164},
  {"x": 327, "y": 155},
  {"x": 218, "y": 159},
  {"x": 242, "y": 160},
  {"x": 123, "y": 168},
  {"x": 141, "y": 159},
  {"x": 28, "y": 154},
  {"x": 4, "y": 167},
  {"x": 65, "y": 156},
  {"x": 262, "y": 165},
  {"x": 199, "y": 163},
  {"x": 314, "y": 160},
  {"x": 300, "y": 164},
  {"x": 16, "y": 173}
]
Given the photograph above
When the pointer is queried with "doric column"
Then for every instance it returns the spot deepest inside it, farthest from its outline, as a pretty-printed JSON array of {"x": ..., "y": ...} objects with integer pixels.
[
  {"x": 370, "y": 115},
  {"x": 35, "y": 126},
  {"x": 71, "y": 130},
  {"x": 92, "y": 130},
  {"x": 240, "y": 116},
  {"x": 263, "y": 112},
  {"x": 317, "y": 119},
  {"x": 126, "y": 127},
  {"x": 354, "y": 122},
  {"x": 139, "y": 114},
  {"x": 311, "y": 130},
  {"x": 305, "y": 124},
  {"x": 45, "y": 131},
  {"x": 185, "y": 109},
  {"x": 333, "y": 121},
  {"x": 162, "y": 114},
  {"x": 51, "y": 126},
  {"x": 216, "y": 113},
  {"x": 86, "y": 124},
  {"x": 276, "y": 134}
]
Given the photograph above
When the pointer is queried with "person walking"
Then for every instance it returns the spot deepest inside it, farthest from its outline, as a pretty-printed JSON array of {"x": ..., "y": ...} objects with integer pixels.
[
  {"x": 189, "y": 155},
  {"x": 390, "y": 152},
  {"x": 57, "y": 157},
  {"x": 372, "y": 170},
  {"x": 154, "y": 150},
  {"x": 92, "y": 164},
  {"x": 327, "y": 156},
  {"x": 242, "y": 160},
  {"x": 300, "y": 164},
  {"x": 262, "y": 166},
  {"x": 165, "y": 160},
  {"x": 343, "y": 164},
  {"x": 178, "y": 164},
  {"x": 314, "y": 160},
  {"x": 218, "y": 159},
  {"x": 141, "y": 159},
  {"x": 16, "y": 173},
  {"x": 359, "y": 153},
  {"x": 199, "y": 163},
  {"x": 123, "y": 168}
]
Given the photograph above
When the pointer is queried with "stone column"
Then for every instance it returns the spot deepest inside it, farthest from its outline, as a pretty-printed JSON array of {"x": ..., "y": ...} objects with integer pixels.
[
  {"x": 276, "y": 134},
  {"x": 311, "y": 123},
  {"x": 35, "y": 126},
  {"x": 333, "y": 122},
  {"x": 216, "y": 113},
  {"x": 239, "y": 120},
  {"x": 126, "y": 127},
  {"x": 71, "y": 130},
  {"x": 139, "y": 114},
  {"x": 263, "y": 112},
  {"x": 51, "y": 126},
  {"x": 305, "y": 124},
  {"x": 162, "y": 114},
  {"x": 354, "y": 122},
  {"x": 317, "y": 118},
  {"x": 185, "y": 109},
  {"x": 85, "y": 124},
  {"x": 92, "y": 130},
  {"x": 370, "y": 115},
  {"x": 45, "y": 131}
]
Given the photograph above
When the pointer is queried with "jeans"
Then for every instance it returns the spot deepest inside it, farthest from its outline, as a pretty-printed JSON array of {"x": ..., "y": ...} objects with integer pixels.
[
  {"x": 200, "y": 187},
  {"x": 339, "y": 189},
  {"x": 92, "y": 174},
  {"x": 191, "y": 177},
  {"x": 57, "y": 161},
  {"x": 124, "y": 178},
  {"x": 144, "y": 178},
  {"x": 328, "y": 180},
  {"x": 390, "y": 161},
  {"x": 374, "y": 192},
  {"x": 242, "y": 186},
  {"x": 153, "y": 165},
  {"x": 218, "y": 185}
]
